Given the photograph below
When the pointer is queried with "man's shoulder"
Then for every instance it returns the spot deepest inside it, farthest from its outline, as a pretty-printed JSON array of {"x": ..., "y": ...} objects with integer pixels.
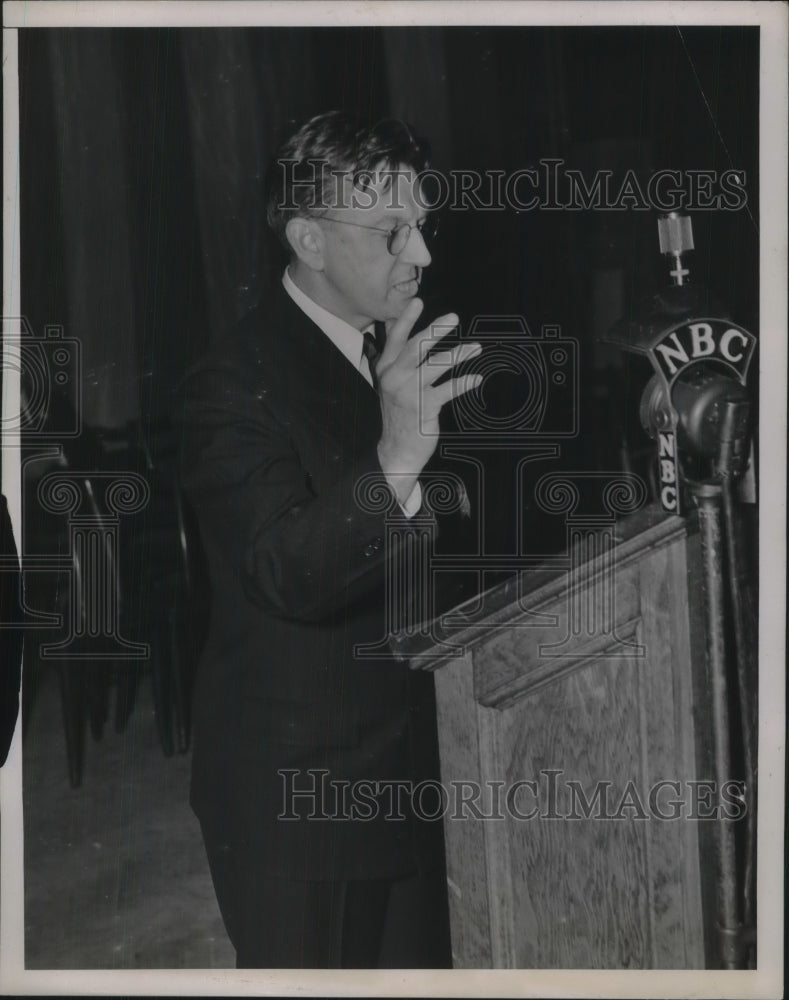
[
  {"x": 270, "y": 336},
  {"x": 272, "y": 329}
]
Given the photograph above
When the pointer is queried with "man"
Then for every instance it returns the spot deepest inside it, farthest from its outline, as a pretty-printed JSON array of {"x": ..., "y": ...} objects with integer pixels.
[{"x": 302, "y": 744}]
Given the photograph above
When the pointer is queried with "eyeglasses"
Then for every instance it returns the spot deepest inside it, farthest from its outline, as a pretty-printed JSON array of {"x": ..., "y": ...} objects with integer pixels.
[{"x": 397, "y": 238}]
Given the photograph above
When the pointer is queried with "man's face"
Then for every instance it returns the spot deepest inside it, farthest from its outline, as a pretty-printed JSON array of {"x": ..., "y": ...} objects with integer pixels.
[{"x": 362, "y": 280}]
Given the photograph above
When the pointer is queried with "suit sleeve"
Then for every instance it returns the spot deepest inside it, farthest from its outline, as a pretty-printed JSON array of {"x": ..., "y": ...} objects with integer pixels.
[{"x": 300, "y": 555}]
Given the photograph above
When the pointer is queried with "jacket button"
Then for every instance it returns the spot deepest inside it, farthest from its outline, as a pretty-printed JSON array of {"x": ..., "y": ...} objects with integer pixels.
[{"x": 369, "y": 549}]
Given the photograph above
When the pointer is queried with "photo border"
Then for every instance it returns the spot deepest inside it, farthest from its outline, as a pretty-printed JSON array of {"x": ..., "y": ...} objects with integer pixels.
[{"x": 766, "y": 981}]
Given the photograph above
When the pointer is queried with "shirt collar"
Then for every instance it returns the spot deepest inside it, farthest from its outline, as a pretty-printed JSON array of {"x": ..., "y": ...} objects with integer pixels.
[{"x": 346, "y": 338}]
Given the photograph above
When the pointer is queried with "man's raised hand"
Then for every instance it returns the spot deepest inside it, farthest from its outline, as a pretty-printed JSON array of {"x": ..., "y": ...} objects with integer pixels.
[{"x": 410, "y": 402}]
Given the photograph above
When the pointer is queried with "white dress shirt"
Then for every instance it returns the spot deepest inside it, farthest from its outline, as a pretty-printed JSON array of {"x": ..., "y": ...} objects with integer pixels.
[{"x": 350, "y": 342}]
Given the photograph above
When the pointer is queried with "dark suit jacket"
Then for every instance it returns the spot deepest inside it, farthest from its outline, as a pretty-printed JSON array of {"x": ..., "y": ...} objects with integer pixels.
[{"x": 278, "y": 429}]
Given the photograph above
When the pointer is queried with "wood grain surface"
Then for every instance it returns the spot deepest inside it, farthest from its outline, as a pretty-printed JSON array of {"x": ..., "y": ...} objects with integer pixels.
[{"x": 593, "y": 863}]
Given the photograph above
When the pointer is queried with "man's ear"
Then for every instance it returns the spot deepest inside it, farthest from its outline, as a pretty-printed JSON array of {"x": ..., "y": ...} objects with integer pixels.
[{"x": 306, "y": 239}]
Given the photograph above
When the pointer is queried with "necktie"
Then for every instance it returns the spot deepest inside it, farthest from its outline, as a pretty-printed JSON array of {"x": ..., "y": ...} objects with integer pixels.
[{"x": 372, "y": 348}]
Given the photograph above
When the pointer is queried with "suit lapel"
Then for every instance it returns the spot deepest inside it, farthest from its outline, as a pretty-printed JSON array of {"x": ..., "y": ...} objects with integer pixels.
[{"x": 330, "y": 388}]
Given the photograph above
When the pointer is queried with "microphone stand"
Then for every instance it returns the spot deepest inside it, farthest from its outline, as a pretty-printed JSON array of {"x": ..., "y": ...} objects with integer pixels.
[{"x": 719, "y": 544}]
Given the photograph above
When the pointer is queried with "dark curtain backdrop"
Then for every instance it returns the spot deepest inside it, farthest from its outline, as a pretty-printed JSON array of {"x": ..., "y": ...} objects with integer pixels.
[{"x": 143, "y": 152}]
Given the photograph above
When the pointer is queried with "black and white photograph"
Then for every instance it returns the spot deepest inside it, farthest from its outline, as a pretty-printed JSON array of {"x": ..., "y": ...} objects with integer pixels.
[{"x": 392, "y": 585}]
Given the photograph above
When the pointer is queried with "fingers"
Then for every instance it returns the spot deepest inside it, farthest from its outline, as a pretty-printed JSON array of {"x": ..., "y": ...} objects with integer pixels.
[
  {"x": 439, "y": 364},
  {"x": 433, "y": 334},
  {"x": 397, "y": 333},
  {"x": 453, "y": 388}
]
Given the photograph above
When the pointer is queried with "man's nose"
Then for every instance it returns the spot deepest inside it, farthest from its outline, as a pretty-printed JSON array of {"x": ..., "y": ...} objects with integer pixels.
[{"x": 415, "y": 251}]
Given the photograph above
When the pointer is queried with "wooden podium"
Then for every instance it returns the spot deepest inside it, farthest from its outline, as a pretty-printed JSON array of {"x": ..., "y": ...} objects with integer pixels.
[{"x": 568, "y": 700}]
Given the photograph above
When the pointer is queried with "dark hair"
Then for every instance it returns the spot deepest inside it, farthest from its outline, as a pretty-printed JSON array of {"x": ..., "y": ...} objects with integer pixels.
[{"x": 303, "y": 175}]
